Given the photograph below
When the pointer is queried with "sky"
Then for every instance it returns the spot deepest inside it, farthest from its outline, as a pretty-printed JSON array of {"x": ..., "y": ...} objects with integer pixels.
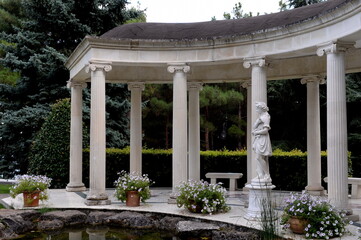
[{"x": 199, "y": 10}]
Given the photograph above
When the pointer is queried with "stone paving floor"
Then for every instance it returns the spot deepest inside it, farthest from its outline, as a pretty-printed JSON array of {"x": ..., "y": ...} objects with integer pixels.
[{"x": 238, "y": 200}]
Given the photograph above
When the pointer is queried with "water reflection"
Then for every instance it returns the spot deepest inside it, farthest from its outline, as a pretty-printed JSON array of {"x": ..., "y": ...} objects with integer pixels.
[{"x": 101, "y": 233}]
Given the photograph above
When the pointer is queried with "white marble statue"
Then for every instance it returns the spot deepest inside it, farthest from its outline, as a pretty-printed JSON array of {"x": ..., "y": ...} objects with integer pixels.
[{"x": 262, "y": 143}]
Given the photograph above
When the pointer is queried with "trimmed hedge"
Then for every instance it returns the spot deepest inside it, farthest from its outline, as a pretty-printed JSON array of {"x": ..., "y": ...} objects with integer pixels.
[{"x": 288, "y": 169}]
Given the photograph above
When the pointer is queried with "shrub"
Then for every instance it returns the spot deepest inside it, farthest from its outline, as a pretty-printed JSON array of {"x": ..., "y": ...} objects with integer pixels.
[
  {"x": 49, "y": 153},
  {"x": 288, "y": 169}
]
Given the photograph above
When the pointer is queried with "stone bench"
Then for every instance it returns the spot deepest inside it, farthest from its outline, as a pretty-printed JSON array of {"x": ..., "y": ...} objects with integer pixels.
[
  {"x": 231, "y": 176},
  {"x": 355, "y": 186}
]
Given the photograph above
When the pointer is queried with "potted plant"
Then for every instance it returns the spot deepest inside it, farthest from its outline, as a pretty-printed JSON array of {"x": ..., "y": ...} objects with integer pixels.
[
  {"x": 202, "y": 197},
  {"x": 132, "y": 188},
  {"x": 33, "y": 188},
  {"x": 315, "y": 217}
]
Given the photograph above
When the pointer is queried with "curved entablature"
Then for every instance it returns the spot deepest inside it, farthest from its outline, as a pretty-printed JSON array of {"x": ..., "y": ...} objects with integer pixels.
[{"x": 285, "y": 39}]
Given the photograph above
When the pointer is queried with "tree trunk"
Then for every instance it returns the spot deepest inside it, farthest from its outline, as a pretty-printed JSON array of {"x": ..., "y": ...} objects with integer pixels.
[
  {"x": 166, "y": 134},
  {"x": 206, "y": 138}
]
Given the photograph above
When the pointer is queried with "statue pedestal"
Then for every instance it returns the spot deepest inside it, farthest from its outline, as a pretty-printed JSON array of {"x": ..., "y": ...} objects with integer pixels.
[{"x": 259, "y": 199}]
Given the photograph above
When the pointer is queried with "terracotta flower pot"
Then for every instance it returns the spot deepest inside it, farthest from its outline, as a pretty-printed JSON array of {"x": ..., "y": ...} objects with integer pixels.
[
  {"x": 133, "y": 199},
  {"x": 31, "y": 199},
  {"x": 297, "y": 225},
  {"x": 197, "y": 209}
]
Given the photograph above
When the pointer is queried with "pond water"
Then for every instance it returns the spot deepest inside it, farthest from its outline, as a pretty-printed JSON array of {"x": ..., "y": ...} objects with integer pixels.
[{"x": 105, "y": 233}]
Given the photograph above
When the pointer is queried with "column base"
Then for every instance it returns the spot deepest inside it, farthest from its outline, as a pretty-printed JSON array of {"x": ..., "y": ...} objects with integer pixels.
[
  {"x": 172, "y": 198},
  {"x": 75, "y": 187},
  {"x": 90, "y": 202},
  {"x": 315, "y": 191}
]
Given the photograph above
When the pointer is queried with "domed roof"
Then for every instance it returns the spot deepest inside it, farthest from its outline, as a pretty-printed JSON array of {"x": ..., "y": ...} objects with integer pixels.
[{"x": 222, "y": 28}]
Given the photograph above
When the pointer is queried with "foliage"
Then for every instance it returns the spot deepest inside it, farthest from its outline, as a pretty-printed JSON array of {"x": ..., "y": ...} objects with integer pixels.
[
  {"x": 324, "y": 221},
  {"x": 10, "y": 15},
  {"x": 17, "y": 130},
  {"x": 210, "y": 198},
  {"x": 158, "y": 105},
  {"x": 288, "y": 4},
  {"x": 269, "y": 218},
  {"x": 221, "y": 106},
  {"x": 49, "y": 153},
  {"x": 237, "y": 13},
  {"x": 132, "y": 182},
  {"x": 5, "y": 188},
  {"x": 35, "y": 48},
  {"x": 157, "y": 163},
  {"x": 31, "y": 183}
]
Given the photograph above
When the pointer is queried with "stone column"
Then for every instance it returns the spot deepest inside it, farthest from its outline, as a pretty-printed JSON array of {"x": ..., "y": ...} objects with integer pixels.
[
  {"x": 314, "y": 186},
  {"x": 251, "y": 170},
  {"x": 75, "y": 235},
  {"x": 179, "y": 123},
  {"x": 97, "y": 194},
  {"x": 136, "y": 127},
  {"x": 336, "y": 124},
  {"x": 258, "y": 93},
  {"x": 76, "y": 138},
  {"x": 194, "y": 139}
]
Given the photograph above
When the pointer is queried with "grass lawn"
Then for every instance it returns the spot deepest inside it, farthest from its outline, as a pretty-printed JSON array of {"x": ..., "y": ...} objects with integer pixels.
[{"x": 4, "y": 188}]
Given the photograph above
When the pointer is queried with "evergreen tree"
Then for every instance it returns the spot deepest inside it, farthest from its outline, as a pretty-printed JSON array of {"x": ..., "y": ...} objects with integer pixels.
[
  {"x": 37, "y": 49},
  {"x": 49, "y": 153}
]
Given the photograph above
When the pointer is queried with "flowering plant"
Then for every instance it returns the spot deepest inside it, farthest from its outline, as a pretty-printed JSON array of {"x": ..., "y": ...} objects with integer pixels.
[
  {"x": 132, "y": 182},
  {"x": 31, "y": 183},
  {"x": 200, "y": 196},
  {"x": 323, "y": 220}
]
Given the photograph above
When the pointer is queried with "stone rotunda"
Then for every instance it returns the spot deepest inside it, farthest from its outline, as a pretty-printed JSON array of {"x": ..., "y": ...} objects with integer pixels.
[{"x": 316, "y": 43}]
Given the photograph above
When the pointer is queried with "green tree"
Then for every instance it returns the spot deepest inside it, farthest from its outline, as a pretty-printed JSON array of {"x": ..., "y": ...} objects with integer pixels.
[
  {"x": 288, "y": 4},
  {"x": 36, "y": 50},
  {"x": 220, "y": 107},
  {"x": 157, "y": 114},
  {"x": 237, "y": 13},
  {"x": 49, "y": 153}
]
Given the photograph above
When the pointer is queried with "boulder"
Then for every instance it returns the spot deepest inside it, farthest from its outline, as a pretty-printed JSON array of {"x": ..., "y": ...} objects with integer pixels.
[
  {"x": 98, "y": 217},
  {"x": 68, "y": 217},
  {"x": 169, "y": 223},
  {"x": 195, "y": 228},
  {"x": 234, "y": 235},
  {"x": 132, "y": 220},
  {"x": 47, "y": 225}
]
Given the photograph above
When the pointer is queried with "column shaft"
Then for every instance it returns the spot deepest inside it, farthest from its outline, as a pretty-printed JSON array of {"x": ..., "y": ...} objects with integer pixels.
[
  {"x": 136, "y": 127},
  {"x": 337, "y": 130},
  {"x": 313, "y": 136},
  {"x": 251, "y": 170},
  {"x": 76, "y": 139},
  {"x": 179, "y": 124},
  {"x": 258, "y": 94},
  {"x": 337, "y": 165},
  {"x": 97, "y": 193},
  {"x": 194, "y": 132}
]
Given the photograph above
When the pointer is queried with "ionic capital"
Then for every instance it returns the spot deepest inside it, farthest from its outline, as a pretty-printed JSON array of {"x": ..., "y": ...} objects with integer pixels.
[
  {"x": 194, "y": 86},
  {"x": 136, "y": 86},
  {"x": 358, "y": 44},
  {"x": 311, "y": 79},
  {"x": 246, "y": 84},
  {"x": 98, "y": 66},
  {"x": 72, "y": 84},
  {"x": 256, "y": 61},
  {"x": 332, "y": 47},
  {"x": 182, "y": 67}
]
